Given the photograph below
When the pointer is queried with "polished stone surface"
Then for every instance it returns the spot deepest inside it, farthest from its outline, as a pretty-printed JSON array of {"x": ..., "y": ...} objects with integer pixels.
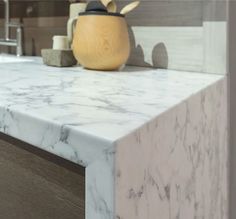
[
  {"x": 153, "y": 141},
  {"x": 57, "y": 108},
  {"x": 176, "y": 166}
]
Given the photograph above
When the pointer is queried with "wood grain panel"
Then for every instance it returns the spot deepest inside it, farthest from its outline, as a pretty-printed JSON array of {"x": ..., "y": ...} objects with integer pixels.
[
  {"x": 215, "y": 11},
  {"x": 149, "y": 13},
  {"x": 168, "y": 47},
  {"x": 184, "y": 12},
  {"x": 215, "y": 47},
  {"x": 152, "y": 23},
  {"x": 36, "y": 8},
  {"x": 152, "y": 13},
  {"x": 34, "y": 187}
]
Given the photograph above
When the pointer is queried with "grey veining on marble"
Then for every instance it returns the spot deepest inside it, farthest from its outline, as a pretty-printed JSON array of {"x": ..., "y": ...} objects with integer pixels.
[
  {"x": 56, "y": 108},
  {"x": 133, "y": 130},
  {"x": 176, "y": 166}
]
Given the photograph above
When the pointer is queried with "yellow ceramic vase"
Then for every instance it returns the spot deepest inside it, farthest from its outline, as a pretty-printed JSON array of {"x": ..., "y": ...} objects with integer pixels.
[{"x": 101, "y": 41}]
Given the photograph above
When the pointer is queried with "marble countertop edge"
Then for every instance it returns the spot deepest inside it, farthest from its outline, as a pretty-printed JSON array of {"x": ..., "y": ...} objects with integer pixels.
[
  {"x": 53, "y": 141},
  {"x": 160, "y": 114},
  {"x": 80, "y": 115}
]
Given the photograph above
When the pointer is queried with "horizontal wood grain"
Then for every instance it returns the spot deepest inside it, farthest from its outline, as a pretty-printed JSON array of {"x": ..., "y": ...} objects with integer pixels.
[
  {"x": 37, "y": 185},
  {"x": 168, "y": 47},
  {"x": 155, "y": 23},
  {"x": 149, "y": 13},
  {"x": 36, "y": 8}
]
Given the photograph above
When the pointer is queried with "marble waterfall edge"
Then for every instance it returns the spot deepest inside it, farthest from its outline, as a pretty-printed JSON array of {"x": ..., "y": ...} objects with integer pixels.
[
  {"x": 154, "y": 142},
  {"x": 176, "y": 165}
]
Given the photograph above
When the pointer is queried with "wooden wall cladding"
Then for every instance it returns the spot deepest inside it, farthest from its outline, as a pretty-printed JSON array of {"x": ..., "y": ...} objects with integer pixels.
[
  {"x": 167, "y": 33},
  {"x": 164, "y": 12},
  {"x": 34, "y": 8}
]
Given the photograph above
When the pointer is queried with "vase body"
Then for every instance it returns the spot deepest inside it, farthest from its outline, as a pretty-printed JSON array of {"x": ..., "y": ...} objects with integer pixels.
[{"x": 101, "y": 42}]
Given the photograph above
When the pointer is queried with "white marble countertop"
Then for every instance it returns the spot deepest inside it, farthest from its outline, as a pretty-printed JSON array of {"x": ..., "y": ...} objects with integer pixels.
[{"x": 76, "y": 113}]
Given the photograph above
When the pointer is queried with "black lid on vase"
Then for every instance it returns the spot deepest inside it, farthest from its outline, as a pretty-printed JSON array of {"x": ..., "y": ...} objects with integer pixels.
[{"x": 97, "y": 8}]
